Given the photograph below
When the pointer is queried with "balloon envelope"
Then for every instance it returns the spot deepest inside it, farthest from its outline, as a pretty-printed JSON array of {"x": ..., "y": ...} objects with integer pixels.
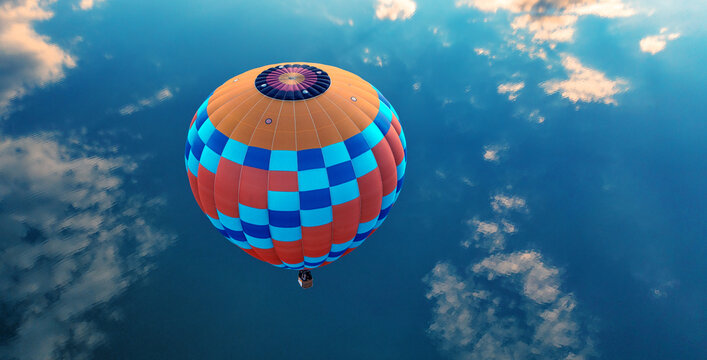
[{"x": 296, "y": 163}]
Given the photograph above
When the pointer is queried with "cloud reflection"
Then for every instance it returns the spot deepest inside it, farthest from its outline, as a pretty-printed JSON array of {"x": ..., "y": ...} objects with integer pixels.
[{"x": 72, "y": 239}]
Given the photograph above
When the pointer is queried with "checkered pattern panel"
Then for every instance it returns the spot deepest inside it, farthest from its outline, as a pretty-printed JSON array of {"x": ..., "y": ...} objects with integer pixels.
[{"x": 297, "y": 209}]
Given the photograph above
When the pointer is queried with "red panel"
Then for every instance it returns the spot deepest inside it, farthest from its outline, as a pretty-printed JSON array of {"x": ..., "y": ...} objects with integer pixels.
[
  {"x": 193, "y": 119},
  {"x": 253, "y": 189},
  {"x": 316, "y": 240},
  {"x": 396, "y": 125},
  {"x": 395, "y": 146},
  {"x": 226, "y": 187},
  {"x": 346, "y": 217},
  {"x": 386, "y": 164},
  {"x": 205, "y": 179},
  {"x": 282, "y": 181},
  {"x": 289, "y": 251},
  {"x": 193, "y": 183},
  {"x": 252, "y": 253},
  {"x": 268, "y": 255},
  {"x": 371, "y": 190}
]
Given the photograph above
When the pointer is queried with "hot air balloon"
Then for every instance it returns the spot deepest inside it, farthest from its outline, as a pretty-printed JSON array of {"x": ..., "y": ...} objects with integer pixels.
[{"x": 296, "y": 163}]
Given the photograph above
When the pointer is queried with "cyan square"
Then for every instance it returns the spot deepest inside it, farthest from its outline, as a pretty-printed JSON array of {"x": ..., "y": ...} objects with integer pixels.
[
  {"x": 335, "y": 154},
  {"x": 364, "y": 163},
  {"x": 286, "y": 234},
  {"x": 283, "y": 160},
  {"x": 372, "y": 134},
  {"x": 205, "y": 131},
  {"x": 235, "y": 151},
  {"x": 209, "y": 160},
  {"x": 312, "y": 179},
  {"x": 230, "y": 223},
  {"x": 344, "y": 192},
  {"x": 252, "y": 215},
  {"x": 193, "y": 164},
  {"x": 316, "y": 217},
  {"x": 283, "y": 200}
]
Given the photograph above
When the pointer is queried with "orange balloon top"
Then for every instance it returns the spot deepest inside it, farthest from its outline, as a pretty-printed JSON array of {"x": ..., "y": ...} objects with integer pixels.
[{"x": 240, "y": 110}]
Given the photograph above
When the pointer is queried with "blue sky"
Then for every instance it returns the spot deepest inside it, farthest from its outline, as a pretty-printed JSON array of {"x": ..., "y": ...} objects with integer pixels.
[{"x": 554, "y": 204}]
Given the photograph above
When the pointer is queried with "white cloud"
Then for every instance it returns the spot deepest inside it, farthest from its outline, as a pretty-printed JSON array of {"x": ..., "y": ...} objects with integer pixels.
[
  {"x": 72, "y": 239},
  {"x": 395, "y": 9},
  {"x": 89, "y": 4},
  {"x": 148, "y": 102},
  {"x": 509, "y": 306},
  {"x": 585, "y": 84},
  {"x": 536, "y": 117},
  {"x": 488, "y": 235},
  {"x": 511, "y": 89},
  {"x": 492, "y": 153},
  {"x": 656, "y": 43},
  {"x": 501, "y": 203},
  {"x": 28, "y": 59},
  {"x": 549, "y": 20},
  {"x": 482, "y": 51},
  {"x": 555, "y": 28},
  {"x": 602, "y": 8}
]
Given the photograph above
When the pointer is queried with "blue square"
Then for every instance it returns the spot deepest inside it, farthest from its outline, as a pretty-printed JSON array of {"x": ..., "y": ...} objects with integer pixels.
[
  {"x": 284, "y": 219},
  {"x": 310, "y": 159},
  {"x": 314, "y": 199},
  {"x": 258, "y": 231},
  {"x": 257, "y": 157},
  {"x": 186, "y": 150},
  {"x": 312, "y": 179},
  {"x": 383, "y": 119},
  {"x": 201, "y": 114},
  {"x": 335, "y": 154},
  {"x": 340, "y": 173},
  {"x": 217, "y": 142},
  {"x": 197, "y": 147},
  {"x": 356, "y": 145}
]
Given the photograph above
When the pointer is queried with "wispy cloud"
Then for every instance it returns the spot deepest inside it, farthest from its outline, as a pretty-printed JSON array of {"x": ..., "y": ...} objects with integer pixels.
[
  {"x": 511, "y": 88},
  {"x": 585, "y": 84},
  {"x": 378, "y": 60},
  {"x": 656, "y": 43},
  {"x": 73, "y": 239},
  {"x": 395, "y": 9},
  {"x": 502, "y": 203},
  {"x": 492, "y": 153},
  {"x": 508, "y": 306},
  {"x": 161, "y": 95},
  {"x": 489, "y": 235},
  {"x": 28, "y": 59}
]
